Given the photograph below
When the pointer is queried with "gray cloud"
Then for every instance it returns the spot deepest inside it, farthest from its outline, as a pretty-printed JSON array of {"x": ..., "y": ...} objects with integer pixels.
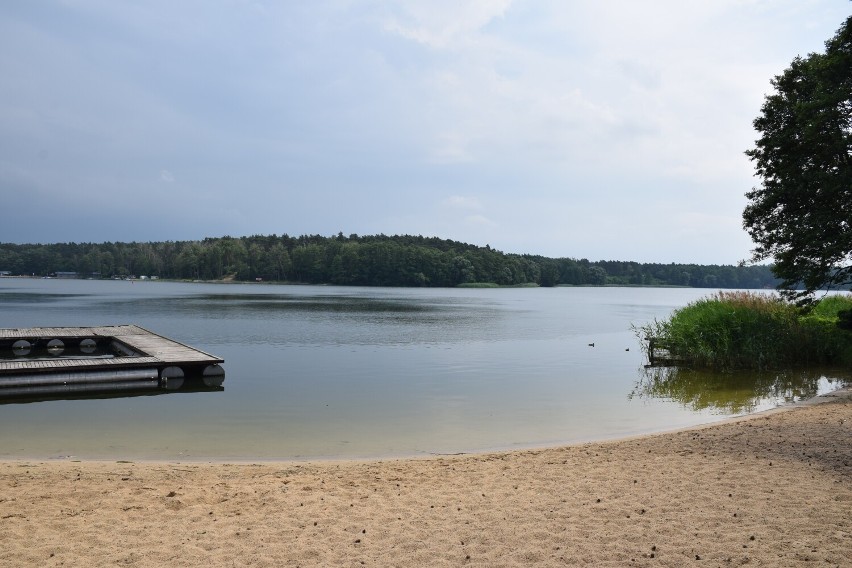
[{"x": 600, "y": 130}]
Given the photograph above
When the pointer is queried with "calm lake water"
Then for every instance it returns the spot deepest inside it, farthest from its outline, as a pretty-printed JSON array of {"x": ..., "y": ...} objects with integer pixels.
[{"x": 333, "y": 372}]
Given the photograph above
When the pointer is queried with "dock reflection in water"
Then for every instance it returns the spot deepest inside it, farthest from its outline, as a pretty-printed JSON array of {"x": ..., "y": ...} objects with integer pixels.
[{"x": 187, "y": 388}]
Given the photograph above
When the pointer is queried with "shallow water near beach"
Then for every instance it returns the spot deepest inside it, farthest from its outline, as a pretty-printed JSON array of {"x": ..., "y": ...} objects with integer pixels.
[{"x": 332, "y": 372}]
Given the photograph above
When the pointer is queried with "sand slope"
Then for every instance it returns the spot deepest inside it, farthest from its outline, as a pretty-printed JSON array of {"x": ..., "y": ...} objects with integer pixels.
[{"x": 773, "y": 490}]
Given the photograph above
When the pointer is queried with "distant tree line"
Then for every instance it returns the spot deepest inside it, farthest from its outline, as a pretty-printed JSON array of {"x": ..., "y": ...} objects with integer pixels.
[{"x": 359, "y": 261}]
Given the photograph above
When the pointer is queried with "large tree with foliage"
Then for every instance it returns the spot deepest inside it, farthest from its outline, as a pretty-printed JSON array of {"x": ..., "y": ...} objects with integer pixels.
[{"x": 801, "y": 215}]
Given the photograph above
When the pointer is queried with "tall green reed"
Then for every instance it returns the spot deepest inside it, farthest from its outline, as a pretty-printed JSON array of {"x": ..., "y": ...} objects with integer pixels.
[{"x": 748, "y": 330}]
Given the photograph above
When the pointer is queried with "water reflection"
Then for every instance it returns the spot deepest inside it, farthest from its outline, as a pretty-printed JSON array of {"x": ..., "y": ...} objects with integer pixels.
[
  {"x": 101, "y": 396},
  {"x": 35, "y": 298},
  {"x": 735, "y": 392},
  {"x": 265, "y": 306}
]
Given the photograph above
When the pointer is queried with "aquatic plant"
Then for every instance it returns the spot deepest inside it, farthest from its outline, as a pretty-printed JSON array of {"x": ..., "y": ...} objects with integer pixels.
[{"x": 748, "y": 330}]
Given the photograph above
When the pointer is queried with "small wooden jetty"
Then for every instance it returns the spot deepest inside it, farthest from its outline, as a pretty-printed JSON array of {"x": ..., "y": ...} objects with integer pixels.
[
  {"x": 73, "y": 361},
  {"x": 659, "y": 354}
]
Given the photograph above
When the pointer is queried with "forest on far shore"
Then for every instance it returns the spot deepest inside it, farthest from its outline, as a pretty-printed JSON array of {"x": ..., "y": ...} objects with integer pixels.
[{"x": 379, "y": 260}]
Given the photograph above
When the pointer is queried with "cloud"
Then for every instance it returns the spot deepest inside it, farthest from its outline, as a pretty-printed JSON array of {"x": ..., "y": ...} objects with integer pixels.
[
  {"x": 445, "y": 24},
  {"x": 479, "y": 221},
  {"x": 556, "y": 127},
  {"x": 463, "y": 202}
]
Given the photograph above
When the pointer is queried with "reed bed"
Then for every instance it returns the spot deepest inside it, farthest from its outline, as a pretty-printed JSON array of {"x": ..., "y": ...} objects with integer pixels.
[{"x": 749, "y": 330}]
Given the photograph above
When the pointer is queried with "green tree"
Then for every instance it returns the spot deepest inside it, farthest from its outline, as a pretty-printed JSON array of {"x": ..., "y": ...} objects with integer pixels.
[
  {"x": 280, "y": 261},
  {"x": 597, "y": 276},
  {"x": 189, "y": 261},
  {"x": 801, "y": 216},
  {"x": 464, "y": 271}
]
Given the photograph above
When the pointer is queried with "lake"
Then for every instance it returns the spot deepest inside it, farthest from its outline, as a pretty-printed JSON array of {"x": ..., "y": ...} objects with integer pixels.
[{"x": 318, "y": 372}]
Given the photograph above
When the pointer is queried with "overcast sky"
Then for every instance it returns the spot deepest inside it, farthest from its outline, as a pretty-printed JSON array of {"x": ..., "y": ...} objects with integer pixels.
[{"x": 607, "y": 130}]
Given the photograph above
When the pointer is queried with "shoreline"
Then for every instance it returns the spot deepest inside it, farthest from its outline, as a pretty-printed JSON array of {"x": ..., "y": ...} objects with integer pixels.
[
  {"x": 212, "y": 460},
  {"x": 767, "y": 489}
]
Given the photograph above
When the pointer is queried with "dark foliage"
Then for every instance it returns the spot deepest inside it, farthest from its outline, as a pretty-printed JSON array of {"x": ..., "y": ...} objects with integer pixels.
[
  {"x": 801, "y": 216},
  {"x": 359, "y": 261}
]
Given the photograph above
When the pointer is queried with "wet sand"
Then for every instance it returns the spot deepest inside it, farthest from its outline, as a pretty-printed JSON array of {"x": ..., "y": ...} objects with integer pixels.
[{"x": 770, "y": 490}]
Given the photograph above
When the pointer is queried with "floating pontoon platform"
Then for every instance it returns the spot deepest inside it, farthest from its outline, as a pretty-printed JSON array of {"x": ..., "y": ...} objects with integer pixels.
[{"x": 75, "y": 361}]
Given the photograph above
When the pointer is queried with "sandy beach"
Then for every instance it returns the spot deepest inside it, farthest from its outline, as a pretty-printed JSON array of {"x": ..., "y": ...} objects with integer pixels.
[{"x": 769, "y": 490}]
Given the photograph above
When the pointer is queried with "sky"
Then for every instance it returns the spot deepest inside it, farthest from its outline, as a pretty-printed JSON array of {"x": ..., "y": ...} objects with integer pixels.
[{"x": 606, "y": 130}]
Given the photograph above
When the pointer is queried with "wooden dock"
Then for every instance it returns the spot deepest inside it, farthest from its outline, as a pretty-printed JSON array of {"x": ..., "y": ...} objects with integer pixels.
[
  {"x": 660, "y": 355},
  {"x": 44, "y": 361}
]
